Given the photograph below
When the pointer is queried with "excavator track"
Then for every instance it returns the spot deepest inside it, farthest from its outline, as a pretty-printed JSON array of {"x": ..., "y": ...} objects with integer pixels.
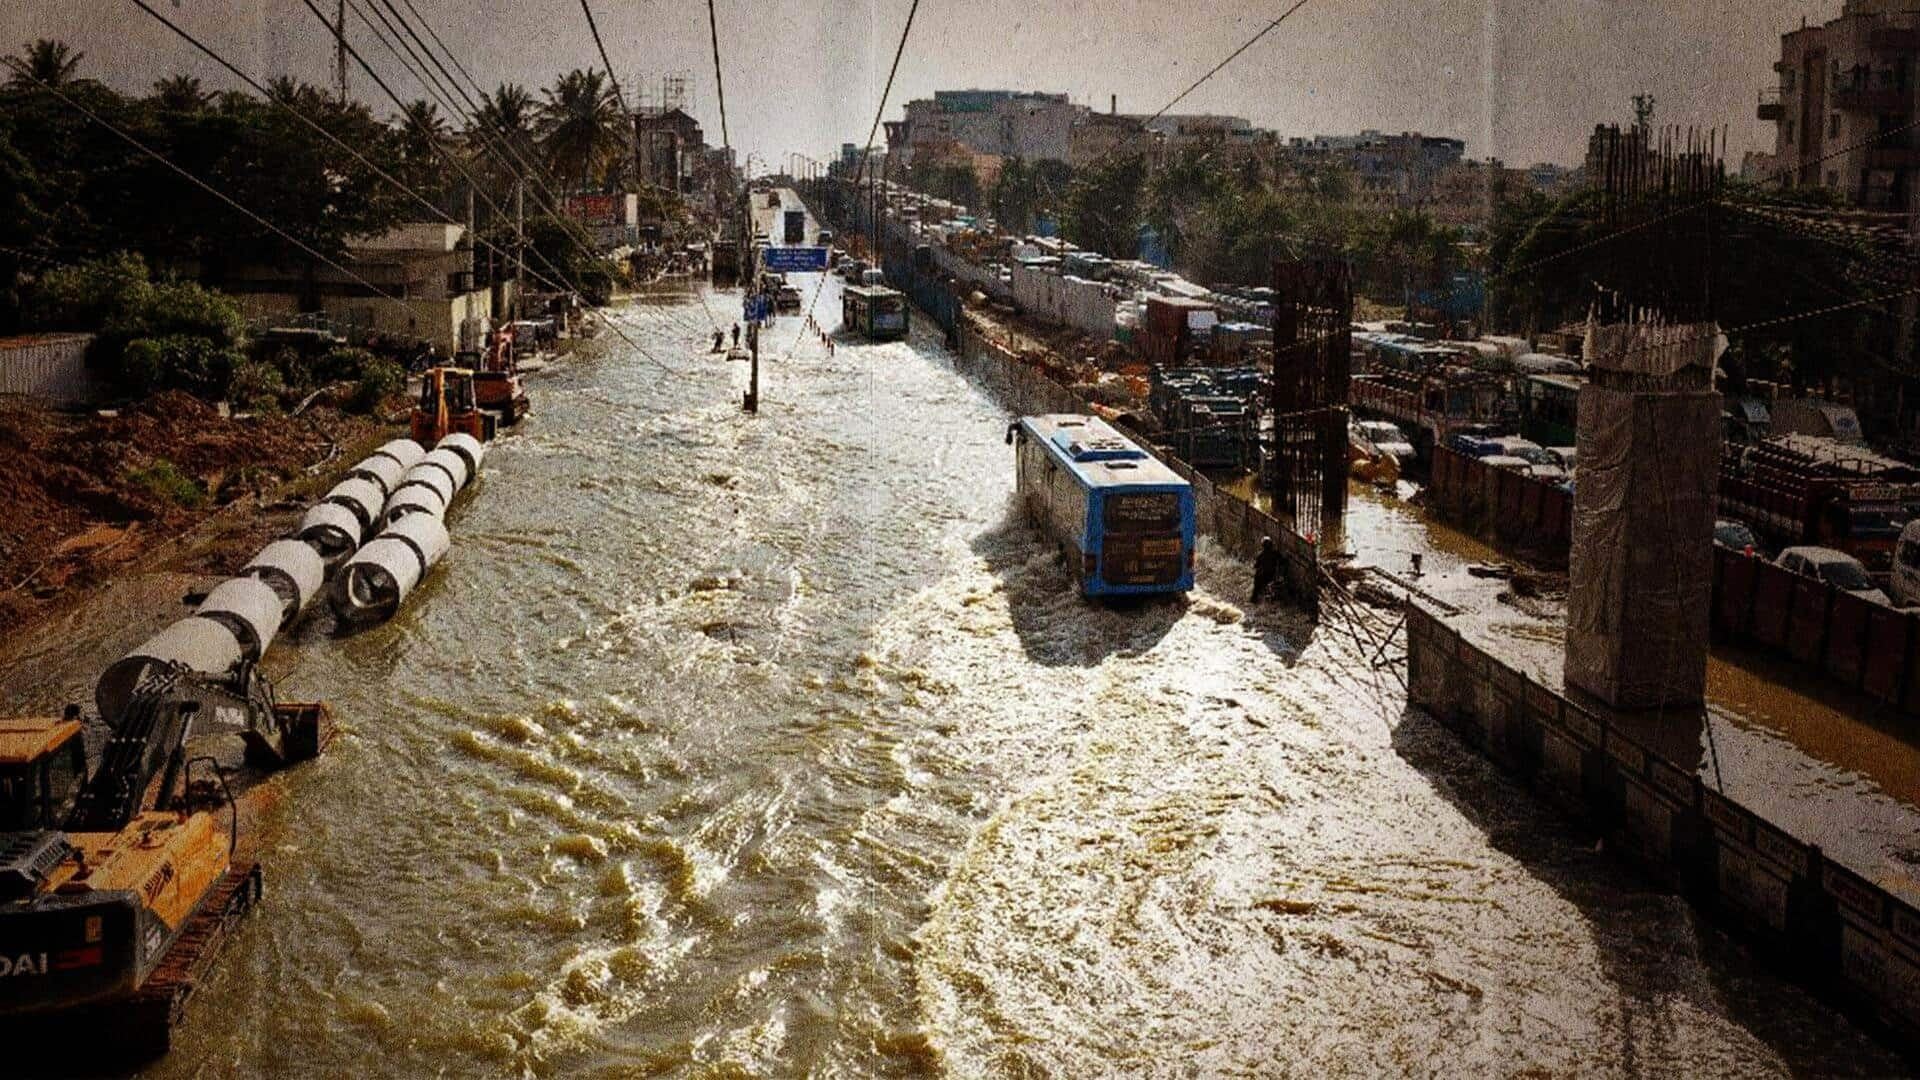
[{"x": 154, "y": 1011}]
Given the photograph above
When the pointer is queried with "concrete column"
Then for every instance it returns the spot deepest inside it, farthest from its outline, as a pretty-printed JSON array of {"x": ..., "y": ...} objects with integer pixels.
[{"x": 1641, "y": 565}]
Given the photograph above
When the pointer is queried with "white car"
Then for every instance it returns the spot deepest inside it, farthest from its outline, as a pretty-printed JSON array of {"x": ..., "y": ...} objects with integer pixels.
[
  {"x": 1836, "y": 568},
  {"x": 1382, "y": 437}
]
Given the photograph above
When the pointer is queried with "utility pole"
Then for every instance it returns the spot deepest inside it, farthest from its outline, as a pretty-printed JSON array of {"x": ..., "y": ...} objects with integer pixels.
[
  {"x": 340, "y": 52},
  {"x": 752, "y": 404},
  {"x": 519, "y": 242}
]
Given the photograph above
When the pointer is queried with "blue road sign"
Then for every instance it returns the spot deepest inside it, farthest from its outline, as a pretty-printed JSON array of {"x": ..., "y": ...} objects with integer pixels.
[
  {"x": 755, "y": 308},
  {"x": 789, "y": 259}
]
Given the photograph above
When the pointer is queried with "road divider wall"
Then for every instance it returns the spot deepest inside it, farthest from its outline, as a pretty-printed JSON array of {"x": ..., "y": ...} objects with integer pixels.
[{"x": 1829, "y": 925}]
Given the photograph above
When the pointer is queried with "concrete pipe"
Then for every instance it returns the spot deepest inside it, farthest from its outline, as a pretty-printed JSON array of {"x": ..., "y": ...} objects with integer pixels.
[
  {"x": 426, "y": 534},
  {"x": 468, "y": 447},
  {"x": 250, "y": 608},
  {"x": 370, "y": 587},
  {"x": 382, "y": 470},
  {"x": 450, "y": 463},
  {"x": 332, "y": 530},
  {"x": 430, "y": 477},
  {"x": 405, "y": 451},
  {"x": 198, "y": 644},
  {"x": 294, "y": 570},
  {"x": 363, "y": 497},
  {"x": 412, "y": 499}
]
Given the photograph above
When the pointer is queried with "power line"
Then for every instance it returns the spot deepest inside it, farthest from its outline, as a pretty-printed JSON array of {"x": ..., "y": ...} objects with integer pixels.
[
  {"x": 865, "y": 156},
  {"x": 719, "y": 84},
  {"x": 1231, "y": 57},
  {"x": 471, "y": 179},
  {"x": 602, "y": 46}
]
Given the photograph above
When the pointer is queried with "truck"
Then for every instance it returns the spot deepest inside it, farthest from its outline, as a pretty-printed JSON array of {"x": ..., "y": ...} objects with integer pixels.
[
  {"x": 794, "y": 230},
  {"x": 1176, "y": 331},
  {"x": 1435, "y": 405},
  {"x": 1813, "y": 489}
]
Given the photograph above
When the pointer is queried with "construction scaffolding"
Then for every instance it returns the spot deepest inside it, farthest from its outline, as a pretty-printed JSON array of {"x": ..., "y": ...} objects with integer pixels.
[{"x": 1312, "y": 371}]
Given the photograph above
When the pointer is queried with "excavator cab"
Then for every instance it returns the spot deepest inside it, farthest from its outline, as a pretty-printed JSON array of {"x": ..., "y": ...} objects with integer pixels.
[
  {"x": 448, "y": 404},
  {"x": 43, "y": 761}
]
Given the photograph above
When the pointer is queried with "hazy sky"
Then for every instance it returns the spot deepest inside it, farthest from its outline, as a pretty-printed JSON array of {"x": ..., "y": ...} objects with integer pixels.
[{"x": 1520, "y": 79}]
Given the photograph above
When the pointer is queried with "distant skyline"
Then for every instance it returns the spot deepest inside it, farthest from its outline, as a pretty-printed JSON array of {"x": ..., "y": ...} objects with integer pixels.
[{"x": 1523, "y": 80}]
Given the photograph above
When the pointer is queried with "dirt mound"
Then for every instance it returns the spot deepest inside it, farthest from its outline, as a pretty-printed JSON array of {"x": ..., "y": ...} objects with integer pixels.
[{"x": 87, "y": 494}]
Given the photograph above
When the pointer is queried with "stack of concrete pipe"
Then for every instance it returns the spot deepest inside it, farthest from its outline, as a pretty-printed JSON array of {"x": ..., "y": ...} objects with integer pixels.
[
  {"x": 400, "y": 488},
  {"x": 342, "y": 520},
  {"x": 373, "y": 583}
]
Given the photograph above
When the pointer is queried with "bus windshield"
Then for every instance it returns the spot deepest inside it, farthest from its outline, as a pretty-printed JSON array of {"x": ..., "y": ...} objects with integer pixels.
[{"x": 1142, "y": 513}]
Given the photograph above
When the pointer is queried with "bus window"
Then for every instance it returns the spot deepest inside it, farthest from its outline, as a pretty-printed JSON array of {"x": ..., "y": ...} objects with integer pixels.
[{"x": 1141, "y": 513}]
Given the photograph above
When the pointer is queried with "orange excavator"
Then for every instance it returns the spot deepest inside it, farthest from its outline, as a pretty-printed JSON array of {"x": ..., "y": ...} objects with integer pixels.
[
  {"x": 449, "y": 402},
  {"x": 120, "y": 870},
  {"x": 496, "y": 381}
]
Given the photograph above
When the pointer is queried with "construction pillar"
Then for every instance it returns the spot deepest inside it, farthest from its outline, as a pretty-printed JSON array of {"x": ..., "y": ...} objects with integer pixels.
[{"x": 1641, "y": 566}]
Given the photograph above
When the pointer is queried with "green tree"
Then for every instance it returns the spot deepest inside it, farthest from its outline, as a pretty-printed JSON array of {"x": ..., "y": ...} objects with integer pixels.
[
  {"x": 1103, "y": 206},
  {"x": 580, "y": 127},
  {"x": 180, "y": 93},
  {"x": 45, "y": 61}
]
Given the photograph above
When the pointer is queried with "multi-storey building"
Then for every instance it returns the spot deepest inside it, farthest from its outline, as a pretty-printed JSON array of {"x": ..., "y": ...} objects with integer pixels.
[
  {"x": 1848, "y": 91},
  {"x": 1001, "y": 123}
]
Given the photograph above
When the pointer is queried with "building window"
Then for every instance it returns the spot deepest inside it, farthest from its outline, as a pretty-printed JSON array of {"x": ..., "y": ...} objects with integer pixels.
[
  {"x": 1786, "y": 81},
  {"x": 1789, "y": 131},
  {"x": 1833, "y": 179},
  {"x": 1833, "y": 126}
]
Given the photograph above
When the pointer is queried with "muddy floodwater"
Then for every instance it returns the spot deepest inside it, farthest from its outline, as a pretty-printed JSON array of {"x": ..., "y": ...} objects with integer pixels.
[{"x": 776, "y": 746}]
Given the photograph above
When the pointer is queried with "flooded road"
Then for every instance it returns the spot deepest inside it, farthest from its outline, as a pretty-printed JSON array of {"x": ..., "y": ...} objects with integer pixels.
[{"x": 775, "y": 746}]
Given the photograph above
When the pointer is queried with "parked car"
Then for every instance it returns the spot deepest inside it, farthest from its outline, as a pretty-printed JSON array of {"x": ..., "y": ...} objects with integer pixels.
[
  {"x": 1508, "y": 461},
  {"x": 1836, "y": 568},
  {"x": 1565, "y": 455},
  {"x": 1381, "y": 437},
  {"x": 1733, "y": 534},
  {"x": 1905, "y": 582}
]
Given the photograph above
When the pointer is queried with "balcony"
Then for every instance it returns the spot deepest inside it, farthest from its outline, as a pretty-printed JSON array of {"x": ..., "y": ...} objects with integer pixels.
[
  {"x": 1770, "y": 104},
  {"x": 1861, "y": 98}
]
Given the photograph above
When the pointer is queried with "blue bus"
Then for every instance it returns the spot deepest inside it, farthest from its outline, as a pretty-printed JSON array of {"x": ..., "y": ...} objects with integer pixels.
[{"x": 1123, "y": 519}]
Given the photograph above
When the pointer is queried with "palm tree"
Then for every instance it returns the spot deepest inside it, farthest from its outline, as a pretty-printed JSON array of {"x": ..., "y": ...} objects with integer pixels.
[
  {"x": 46, "y": 61},
  {"x": 580, "y": 122},
  {"x": 181, "y": 93},
  {"x": 422, "y": 129}
]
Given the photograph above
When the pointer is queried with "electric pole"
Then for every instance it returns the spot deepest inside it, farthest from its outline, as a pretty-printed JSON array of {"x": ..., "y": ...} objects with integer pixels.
[
  {"x": 340, "y": 52},
  {"x": 519, "y": 242},
  {"x": 752, "y": 404}
]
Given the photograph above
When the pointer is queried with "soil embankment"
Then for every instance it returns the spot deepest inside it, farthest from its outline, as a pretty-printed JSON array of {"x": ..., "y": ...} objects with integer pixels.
[{"x": 89, "y": 496}]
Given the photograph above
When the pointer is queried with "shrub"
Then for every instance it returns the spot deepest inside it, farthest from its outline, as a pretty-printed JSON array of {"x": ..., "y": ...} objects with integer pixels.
[
  {"x": 379, "y": 380},
  {"x": 164, "y": 481},
  {"x": 342, "y": 364},
  {"x": 197, "y": 365},
  {"x": 86, "y": 295},
  {"x": 256, "y": 386}
]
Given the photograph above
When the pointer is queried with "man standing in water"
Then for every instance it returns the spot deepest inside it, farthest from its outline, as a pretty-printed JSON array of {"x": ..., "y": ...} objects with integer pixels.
[{"x": 1266, "y": 567}]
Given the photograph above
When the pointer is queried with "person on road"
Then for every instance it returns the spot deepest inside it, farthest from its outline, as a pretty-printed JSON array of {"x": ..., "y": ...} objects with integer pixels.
[
  {"x": 736, "y": 335},
  {"x": 719, "y": 340},
  {"x": 1266, "y": 567}
]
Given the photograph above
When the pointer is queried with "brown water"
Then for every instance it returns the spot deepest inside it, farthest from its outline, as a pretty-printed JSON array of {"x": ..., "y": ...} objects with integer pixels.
[{"x": 772, "y": 746}]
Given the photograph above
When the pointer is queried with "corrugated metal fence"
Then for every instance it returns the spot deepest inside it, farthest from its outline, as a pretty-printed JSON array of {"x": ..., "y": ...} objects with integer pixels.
[{"x": 48, "y": 366}]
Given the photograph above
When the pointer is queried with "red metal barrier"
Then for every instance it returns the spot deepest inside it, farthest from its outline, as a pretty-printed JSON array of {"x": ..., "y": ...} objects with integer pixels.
[
  {"x": 1772, "y": 604},
  {"x": 1739, "y": 575},
  {"x": 1847, "y": 636},
  {"x": 1889, "y": 636},
  {"x": 1911, "y": 692},
  {"x": 1808, "y": 624}
]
